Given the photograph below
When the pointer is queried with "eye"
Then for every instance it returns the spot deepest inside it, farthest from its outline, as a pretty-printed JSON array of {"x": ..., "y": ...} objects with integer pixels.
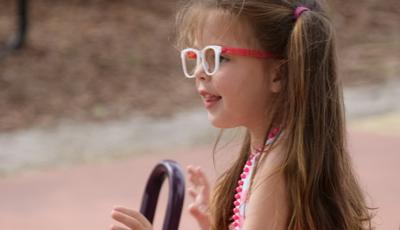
[{"x": 223, "y": 59}]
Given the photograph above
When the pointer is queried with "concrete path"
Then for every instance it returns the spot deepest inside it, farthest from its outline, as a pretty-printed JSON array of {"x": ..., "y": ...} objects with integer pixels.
[
  {"x": 73, "y": 143},
  {"x": 82, "y": 197}
]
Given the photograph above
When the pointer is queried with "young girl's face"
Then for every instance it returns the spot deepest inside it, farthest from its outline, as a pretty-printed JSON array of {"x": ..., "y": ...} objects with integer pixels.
[{"x": 244, "y": 85}]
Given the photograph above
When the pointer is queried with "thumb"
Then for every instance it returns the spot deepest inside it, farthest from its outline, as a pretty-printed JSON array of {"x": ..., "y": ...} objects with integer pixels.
[
  {"x": 196, "y": 211},
  {"x": 200, "y": 216}
]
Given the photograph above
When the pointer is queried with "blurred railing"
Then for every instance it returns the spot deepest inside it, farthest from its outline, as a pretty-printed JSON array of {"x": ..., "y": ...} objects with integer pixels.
[{"x": 176, "y": 193}]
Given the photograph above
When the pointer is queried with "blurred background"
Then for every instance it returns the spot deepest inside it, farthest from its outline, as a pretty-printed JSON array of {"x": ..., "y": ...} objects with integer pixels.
[{"x": 95, "y": 98}]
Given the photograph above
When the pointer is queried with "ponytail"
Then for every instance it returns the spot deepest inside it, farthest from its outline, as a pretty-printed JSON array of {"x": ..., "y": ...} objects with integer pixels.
[{"x": 319, "y": 167}]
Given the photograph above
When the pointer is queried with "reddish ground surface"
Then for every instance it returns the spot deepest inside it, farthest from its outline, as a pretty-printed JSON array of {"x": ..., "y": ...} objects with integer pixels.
[{"x": 82, "y": 197}]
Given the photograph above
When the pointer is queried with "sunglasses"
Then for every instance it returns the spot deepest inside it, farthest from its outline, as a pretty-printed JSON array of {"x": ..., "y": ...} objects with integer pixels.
[{"x": 210, "y": 57}]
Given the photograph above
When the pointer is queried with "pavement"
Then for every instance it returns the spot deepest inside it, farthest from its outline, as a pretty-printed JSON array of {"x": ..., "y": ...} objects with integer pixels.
[{"x": 82, "y": 196}]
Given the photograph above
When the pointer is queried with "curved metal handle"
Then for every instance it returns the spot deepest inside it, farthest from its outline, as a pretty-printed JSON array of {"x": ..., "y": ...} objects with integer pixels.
[
  {"x": 176, "y": 193},
  {"x": 19, "y": 38},
  {"x": 22, "y": 24}
]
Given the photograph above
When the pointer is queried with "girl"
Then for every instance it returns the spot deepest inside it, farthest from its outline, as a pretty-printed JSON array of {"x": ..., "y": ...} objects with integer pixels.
[{"x": 269, "y": 66}]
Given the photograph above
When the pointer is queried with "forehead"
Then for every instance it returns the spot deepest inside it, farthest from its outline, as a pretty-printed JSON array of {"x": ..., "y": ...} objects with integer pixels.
[{"x": 221, "y": 28}]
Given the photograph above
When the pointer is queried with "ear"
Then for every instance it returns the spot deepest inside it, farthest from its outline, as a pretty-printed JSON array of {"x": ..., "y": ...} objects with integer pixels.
[{"x": 275, "y": 76}]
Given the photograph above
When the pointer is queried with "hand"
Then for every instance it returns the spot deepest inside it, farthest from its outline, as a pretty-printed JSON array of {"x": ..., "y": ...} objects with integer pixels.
[
  {"x": 200, "y": 192},
  {"x": 131, "y": 219}
]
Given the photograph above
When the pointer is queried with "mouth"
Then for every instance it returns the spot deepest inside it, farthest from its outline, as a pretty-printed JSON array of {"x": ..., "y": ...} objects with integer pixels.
[{"x": 211, "y": 100}]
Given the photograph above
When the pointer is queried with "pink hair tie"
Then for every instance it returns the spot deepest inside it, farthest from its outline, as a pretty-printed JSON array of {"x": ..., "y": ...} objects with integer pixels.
[{"x": 299, "y": 10}]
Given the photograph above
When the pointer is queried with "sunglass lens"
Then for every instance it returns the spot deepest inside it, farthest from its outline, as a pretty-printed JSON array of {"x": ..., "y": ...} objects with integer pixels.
[
  {"x": 190, "y": 62},
  {"x": 209, "y": 55}
]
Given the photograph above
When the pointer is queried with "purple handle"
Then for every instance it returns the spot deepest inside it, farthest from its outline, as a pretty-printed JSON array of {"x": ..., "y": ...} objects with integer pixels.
[{"x": 176, "y": 194}]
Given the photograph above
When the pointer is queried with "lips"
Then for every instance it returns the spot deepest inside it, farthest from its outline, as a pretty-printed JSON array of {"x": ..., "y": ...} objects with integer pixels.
[{"x": 210, "y": 100}]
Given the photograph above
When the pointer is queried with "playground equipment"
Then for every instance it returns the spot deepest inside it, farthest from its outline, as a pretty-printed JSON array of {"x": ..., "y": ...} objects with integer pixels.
[
  {"x": 18, "y": 40},
  {"x": 176, "y": 193}
]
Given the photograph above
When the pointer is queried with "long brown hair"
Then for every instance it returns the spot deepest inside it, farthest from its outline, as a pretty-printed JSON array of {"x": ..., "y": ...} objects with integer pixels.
[{"x": 323, "y": 192}]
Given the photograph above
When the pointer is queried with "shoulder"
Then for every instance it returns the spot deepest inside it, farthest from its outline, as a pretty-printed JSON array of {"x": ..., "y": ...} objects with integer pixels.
[{"x": 268, "y": 203}]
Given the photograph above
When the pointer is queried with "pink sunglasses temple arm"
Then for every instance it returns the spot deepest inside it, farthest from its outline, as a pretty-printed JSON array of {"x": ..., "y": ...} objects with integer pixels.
[{"x": 247, "y": 52}]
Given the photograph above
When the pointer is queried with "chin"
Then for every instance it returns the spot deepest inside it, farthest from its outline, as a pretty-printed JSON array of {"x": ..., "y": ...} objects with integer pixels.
[
  {"x": 221, "y": 126},
  {"x": 219, "y": 122}
]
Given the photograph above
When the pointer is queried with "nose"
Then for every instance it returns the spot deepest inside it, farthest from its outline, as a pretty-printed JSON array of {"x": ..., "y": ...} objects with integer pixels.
[{"x": 200, "y": 74}]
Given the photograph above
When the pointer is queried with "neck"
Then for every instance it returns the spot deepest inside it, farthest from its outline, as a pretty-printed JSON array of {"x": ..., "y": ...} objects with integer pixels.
[
  {"x": 257, "y": 137},
  {"x": 256, "y": 140}
]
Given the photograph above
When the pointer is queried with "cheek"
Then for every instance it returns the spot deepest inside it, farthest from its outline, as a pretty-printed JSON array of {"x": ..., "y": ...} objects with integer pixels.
[
  {"x": 244, "y": 96},
  {"x": 229, "y": 83},
  {"x": 244, "y": 85}
]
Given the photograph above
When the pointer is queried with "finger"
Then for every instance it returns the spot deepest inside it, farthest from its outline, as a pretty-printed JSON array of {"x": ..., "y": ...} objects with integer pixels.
[
  {"x": 192, "y": 179},
  {"x": 189, "y": 167},
  {"x": 199, "y": 171},
  {"x": 126, "y": 220},
  {"x": 201, "y": 186},
  {"x": 202, "y": 176},
  {"x": 197, "y": 212},
  {"x": 195, "y": 181},
  {"x": 135, "y": 214},
  {"x": 192, "y": 193},
  {"x": 191, "y": 171},
  {"x": 114, "y": 227},
  {"x": 194, "y": 176}
]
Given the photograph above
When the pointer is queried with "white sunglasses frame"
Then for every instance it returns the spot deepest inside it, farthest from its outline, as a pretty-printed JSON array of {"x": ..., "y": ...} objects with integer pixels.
[{"x": 201, "y": 60}]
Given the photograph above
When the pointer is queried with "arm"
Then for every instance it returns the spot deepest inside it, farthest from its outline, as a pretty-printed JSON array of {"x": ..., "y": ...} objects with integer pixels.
[{"x": 268, "y": 203}]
